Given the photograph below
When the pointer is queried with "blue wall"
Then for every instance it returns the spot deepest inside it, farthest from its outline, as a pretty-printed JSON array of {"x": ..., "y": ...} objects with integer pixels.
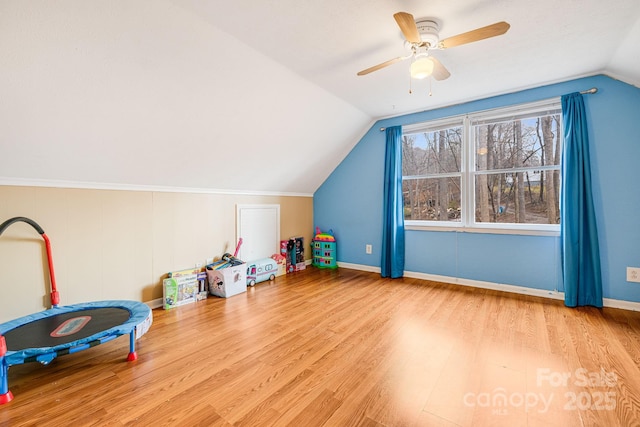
[{"x": 350, "y": 201}]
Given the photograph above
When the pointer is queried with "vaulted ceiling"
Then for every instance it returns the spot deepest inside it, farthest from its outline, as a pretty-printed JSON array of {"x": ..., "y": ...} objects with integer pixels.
[
  {"x": 328, "y": 42},
  {"x": 260, "y": 96}
]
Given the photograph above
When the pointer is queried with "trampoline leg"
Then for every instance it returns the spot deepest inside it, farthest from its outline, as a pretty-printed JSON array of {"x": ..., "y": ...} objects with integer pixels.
[
  {"x": 132, "y": 347},
  {"x": 6, "y": 398},
  {"x": 5, "y": 395}
]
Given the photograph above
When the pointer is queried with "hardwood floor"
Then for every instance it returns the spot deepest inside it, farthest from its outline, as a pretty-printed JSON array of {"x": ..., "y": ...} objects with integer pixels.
[{"x": 347, "y": 348}]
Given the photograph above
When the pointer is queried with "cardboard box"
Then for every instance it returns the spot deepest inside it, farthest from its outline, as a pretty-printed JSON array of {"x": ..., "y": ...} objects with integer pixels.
[
  {"x": 293, "y": 250},
  {"x": 180, "y": 287},
  {"x": 180, "y": 290},
  {"x": 229, "y": 281},
  {"x": 281, "y": 260},
  {"x": 203, "y": 286},
  {"x": 285, "y": 253}
]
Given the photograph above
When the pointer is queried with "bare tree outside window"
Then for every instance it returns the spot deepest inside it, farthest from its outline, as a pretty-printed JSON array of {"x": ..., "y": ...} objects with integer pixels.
[
  {"x": 518, "y": 170},
  {"x": 504, "y": 163},
  {"x": 431, "y": 170}
]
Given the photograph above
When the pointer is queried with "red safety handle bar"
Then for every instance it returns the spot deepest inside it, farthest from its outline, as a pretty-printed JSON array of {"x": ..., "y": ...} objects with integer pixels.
[{"x": 55, "y": 296}]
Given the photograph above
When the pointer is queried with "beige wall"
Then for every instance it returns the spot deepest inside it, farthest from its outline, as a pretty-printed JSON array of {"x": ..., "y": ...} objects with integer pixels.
[{"x": 112, "y": 244}]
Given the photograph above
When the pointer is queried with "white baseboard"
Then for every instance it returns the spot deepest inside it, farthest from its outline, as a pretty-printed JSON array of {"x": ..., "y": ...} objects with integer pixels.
[
  {"x": 607, "y": 302},
  {"x": 155, "y": 303},
  {"x": 360, "y": 267},
  {"x": 624, "y": 305},
  {"x": 487, "y": 285}
]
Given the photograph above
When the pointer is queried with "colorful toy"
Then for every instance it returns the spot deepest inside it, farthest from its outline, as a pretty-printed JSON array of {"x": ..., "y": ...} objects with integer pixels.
[
  {"x": 324, "y": 237},
  {"x": 238, "y": 247},
  {"x": 182, "y": 287},
  {"x": 232, "y": 259},
  {"x": 293, "y": 250},
  {"x": 324, "y": 250},
  {"x": 216, "y": 265},
  {"x": 43, "y": 336},
  {"x": 261, "y": 270}
]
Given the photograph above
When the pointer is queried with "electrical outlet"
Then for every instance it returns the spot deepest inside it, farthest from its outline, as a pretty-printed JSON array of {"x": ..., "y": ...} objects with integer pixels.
[
  {"x": 633, "y": 274},
  {"x": 368, "y": 249}
]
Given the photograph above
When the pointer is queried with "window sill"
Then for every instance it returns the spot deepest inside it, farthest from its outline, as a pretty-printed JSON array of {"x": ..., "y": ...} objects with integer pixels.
[{"x": 551, "y": 230}]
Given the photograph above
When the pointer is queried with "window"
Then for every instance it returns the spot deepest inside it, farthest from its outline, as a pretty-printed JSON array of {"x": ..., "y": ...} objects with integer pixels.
[
  {"x": 432, "y": 172},
  {"x": 492, "y": 169}
]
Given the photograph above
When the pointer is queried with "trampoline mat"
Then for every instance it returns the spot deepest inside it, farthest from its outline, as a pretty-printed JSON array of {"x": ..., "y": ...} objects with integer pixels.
[{"x": 64, "y": 328}]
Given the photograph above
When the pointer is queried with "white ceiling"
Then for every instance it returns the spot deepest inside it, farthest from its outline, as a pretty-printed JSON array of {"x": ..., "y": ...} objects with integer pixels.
[
  {"x": 259, "y": 95},
  {"x": 328, "y": 42}
]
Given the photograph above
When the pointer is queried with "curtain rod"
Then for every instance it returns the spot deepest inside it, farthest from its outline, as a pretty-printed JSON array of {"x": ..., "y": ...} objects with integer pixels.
[{"x": 584, "y": 92}]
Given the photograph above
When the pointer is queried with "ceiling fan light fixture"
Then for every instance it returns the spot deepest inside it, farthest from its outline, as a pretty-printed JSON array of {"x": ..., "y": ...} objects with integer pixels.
[
  {"x": 422, "y": 35},
  {"x": 422, "y": 67},
  {"x": 428, "y": 29}
]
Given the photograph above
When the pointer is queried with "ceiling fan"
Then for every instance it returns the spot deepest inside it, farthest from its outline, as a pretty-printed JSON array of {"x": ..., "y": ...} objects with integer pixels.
[{"x": 423, "y": 35}]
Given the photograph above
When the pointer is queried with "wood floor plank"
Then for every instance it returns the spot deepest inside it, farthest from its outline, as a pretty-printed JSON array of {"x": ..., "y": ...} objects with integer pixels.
[{"x": 349, "y": 348}]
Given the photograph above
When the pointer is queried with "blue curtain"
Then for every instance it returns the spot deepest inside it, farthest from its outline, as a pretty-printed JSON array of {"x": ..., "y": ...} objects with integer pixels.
[
  {"x": 392, "y": 263},
  {"x": 578, "y": 233}
]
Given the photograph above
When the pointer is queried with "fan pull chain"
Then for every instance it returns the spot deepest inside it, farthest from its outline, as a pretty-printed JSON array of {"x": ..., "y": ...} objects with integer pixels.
[
  {"x": 430, "y": 80},
  {"x": 410, "y": 92}
]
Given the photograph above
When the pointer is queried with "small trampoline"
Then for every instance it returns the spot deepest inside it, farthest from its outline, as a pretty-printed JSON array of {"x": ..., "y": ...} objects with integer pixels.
[{"x": 43, "y": 336}]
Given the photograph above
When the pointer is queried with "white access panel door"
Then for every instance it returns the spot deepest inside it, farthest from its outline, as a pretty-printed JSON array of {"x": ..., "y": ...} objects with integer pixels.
[{"x": 259, "y": 228}]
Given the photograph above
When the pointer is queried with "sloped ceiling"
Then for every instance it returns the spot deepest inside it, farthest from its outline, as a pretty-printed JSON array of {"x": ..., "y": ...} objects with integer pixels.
[{"x": 254, "y": 95}]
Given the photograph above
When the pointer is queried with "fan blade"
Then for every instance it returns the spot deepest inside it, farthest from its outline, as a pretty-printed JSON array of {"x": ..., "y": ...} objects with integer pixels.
[
  {"x": 492, "y": 30},
  {"x": 439, "y": 71},
  {"x": 384, "y": 64},
  {"x": 408, "y": 26}
]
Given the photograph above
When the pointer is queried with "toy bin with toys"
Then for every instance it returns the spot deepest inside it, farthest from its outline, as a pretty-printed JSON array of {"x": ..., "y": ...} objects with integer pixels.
[{"x": 227, "y": 277}]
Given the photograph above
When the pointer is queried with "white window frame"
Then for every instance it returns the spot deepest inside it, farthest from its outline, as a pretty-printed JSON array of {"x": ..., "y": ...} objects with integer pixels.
[{"x": 468, "y": 173}]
